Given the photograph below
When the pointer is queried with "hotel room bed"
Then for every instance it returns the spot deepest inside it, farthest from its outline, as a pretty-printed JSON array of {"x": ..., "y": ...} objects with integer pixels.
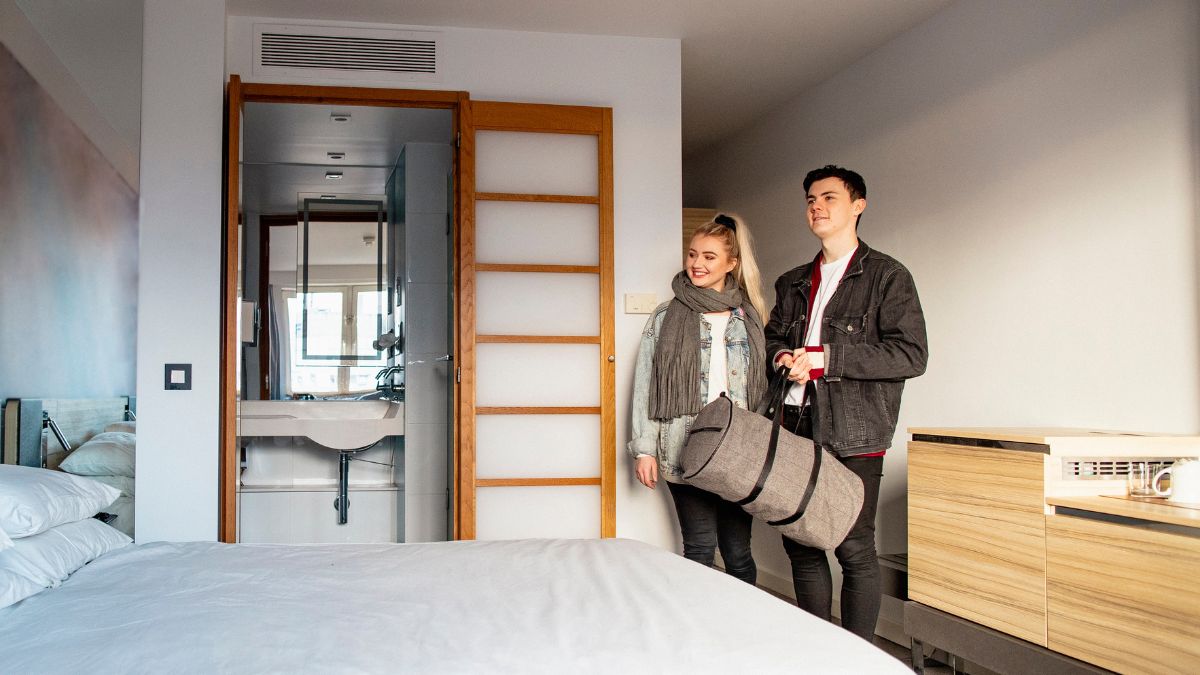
[{"x": 524, "y": 606}]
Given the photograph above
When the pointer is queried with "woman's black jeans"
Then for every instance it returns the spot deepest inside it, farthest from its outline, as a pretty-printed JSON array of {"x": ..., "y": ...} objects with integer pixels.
[
  {"x": 708, "y": 523},
  {"x": 857, "y": 556}
]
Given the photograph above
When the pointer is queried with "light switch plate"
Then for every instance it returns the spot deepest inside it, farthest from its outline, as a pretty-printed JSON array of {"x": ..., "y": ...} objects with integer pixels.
[
  {"x": 178, "y": 376},
  {"x": 640, "y": 303}
]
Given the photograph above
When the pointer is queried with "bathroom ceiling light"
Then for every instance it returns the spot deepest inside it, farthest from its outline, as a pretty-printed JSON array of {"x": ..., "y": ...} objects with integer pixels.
[
  {"x": 336, "y": 155},
  {"x": 340, "y": 116},
  {"x": 333, "y": 175}
]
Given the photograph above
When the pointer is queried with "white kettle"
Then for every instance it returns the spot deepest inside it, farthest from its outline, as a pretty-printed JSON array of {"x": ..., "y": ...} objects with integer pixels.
[{"x": 1185, "y": 481}]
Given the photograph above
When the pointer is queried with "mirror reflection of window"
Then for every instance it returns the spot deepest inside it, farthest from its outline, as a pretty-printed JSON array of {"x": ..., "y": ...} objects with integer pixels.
[
  {"x": 324, "y": 325},
  {"x": 333, "y": 332}
]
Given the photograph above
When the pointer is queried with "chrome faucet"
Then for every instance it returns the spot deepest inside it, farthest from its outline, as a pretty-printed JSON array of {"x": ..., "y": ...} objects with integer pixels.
[{"x": 386, "y": 387}]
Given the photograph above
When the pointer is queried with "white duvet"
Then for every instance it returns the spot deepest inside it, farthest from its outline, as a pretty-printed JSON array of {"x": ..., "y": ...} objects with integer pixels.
[{"x": 532, "y": 606}]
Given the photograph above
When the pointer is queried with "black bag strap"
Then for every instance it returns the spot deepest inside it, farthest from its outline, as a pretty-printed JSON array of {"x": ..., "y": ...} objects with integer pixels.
[
  {"x": 775, "y": 409},
  {"x": 810, "y": 395}
]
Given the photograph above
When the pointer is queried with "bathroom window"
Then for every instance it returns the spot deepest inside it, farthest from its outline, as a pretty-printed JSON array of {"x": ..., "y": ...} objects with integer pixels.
[{"x": 341, "y": 320}]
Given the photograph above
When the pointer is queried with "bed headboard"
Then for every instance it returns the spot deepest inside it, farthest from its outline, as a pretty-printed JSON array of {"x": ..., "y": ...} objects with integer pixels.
[{"x": 27, "y": 440}]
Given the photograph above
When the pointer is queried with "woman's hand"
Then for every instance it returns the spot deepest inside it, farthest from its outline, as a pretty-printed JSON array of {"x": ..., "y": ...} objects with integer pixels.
[{"x": 647, "y": 471}]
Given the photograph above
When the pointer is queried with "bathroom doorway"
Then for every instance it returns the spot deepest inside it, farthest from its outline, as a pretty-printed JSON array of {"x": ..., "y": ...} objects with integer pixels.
[
  {"x": 344, "y": 297},
  {"x": 529, "y": 220}
]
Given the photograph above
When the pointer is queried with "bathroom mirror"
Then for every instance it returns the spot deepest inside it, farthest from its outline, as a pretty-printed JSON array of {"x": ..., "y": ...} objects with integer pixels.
[
  {"x": 326, "y": 211},
  {"x": 341, "y": 246}
]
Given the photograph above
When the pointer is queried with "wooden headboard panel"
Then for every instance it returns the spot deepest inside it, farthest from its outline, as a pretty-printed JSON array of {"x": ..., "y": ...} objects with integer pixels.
[{"x": 27, "y": 440}]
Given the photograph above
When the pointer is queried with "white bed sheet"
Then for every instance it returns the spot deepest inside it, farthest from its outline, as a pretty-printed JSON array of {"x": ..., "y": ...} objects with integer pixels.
[{"x": 614, "y": 606}]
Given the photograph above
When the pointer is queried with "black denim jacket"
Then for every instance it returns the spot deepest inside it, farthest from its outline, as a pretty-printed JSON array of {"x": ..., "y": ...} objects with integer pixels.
[{"x": 874, "y": 338}]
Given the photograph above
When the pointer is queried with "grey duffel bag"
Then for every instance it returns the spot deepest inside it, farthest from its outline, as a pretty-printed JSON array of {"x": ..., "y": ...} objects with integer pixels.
[{"x": 771, "y": 473}]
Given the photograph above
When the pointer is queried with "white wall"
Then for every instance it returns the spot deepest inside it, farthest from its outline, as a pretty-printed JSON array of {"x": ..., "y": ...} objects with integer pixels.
[
  {"x": 638, "y": 78},
  {"x": 1035, "y": 166},
  {"x": 179, "y": 284},
  {"x": 100, "y": 43},
  {"x": 68, "y": 251},
  {"x": 90, "y": 74}
]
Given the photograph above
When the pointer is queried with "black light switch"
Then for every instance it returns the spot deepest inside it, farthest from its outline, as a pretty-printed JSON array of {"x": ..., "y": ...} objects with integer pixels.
[{"x": 178, "y": 376}]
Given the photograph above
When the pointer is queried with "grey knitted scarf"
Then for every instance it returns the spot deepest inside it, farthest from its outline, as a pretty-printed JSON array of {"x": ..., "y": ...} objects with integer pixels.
[{"x": 675, "y": 376}]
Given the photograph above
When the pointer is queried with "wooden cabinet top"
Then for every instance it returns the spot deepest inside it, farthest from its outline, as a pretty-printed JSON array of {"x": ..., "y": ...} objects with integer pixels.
[
  {"x": 1039, "y": 434},
  {"x": 1128, "y": 508},
  {"x": 1064, "y": 440}
]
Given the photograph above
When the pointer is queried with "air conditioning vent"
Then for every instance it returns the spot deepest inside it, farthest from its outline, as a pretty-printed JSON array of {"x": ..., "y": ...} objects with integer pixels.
[
  {"x": 351, "y": 53},
  {"x": 1107, "y": 468}
]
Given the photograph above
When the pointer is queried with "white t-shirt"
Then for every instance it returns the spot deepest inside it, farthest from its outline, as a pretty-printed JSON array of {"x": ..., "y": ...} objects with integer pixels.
[
  {"x": 718, "y": 380},
  {"x": 831, "y": 276}
]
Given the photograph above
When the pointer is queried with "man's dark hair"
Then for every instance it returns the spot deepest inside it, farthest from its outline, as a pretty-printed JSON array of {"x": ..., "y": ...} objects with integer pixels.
[{"x": 854, "y": 183}]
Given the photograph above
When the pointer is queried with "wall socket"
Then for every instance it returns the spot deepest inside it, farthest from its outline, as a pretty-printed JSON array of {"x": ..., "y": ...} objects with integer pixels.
[{"x": 640, "y": 303}]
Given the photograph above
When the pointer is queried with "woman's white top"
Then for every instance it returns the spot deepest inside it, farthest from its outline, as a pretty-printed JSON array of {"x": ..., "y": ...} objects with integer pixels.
[{"x": 718, "y": 378}]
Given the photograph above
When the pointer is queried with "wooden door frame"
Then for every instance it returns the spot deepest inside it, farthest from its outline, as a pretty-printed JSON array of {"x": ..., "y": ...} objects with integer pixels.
[
  {"x": 239, "y": 93},
  {"x": 541, "y": 118}
]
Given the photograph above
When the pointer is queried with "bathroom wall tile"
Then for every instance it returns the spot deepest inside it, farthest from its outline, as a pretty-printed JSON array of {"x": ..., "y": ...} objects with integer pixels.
[
  {"x": 426, "y": 174},
  {"x": 425, "y": 518},
  {"x": 269, "y": 461},
  {"x": 298, "y": 461},
  {"x": 265, "y": 518},
  {"x": 426, "y": 388},
  {"x": 426, "y": 318},
  {"x": 372, "y": 517},
  {"x": 427, "y": 244},
  {"x": 310, "y": 518},
  {"x": 425, "y": 459}
]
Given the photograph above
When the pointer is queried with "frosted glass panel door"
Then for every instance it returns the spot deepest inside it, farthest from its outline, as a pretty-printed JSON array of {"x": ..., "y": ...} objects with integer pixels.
[{"x": 537, "y": 446}]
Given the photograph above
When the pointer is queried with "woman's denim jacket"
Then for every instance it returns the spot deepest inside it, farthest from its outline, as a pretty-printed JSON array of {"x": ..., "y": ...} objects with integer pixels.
[{"x": 663, "y": 439}]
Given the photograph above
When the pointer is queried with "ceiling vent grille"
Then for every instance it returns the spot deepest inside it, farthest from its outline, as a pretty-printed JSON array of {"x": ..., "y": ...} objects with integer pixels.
[{"x": 347, "y": 53}]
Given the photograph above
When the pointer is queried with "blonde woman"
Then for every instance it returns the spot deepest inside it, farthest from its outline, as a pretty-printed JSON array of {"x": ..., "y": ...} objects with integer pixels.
[{"x": 705, "y": 342}]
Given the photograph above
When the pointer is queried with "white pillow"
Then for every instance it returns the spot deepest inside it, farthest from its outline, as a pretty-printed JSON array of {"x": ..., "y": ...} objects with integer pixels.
[
  {"x": 106, "y": 454},
  {"x": 34, "y": 500},
  {"x": 130, "y": 426},
  {"x": 122, "y": 483},
  {"x": 5, "y": 542},
  {"x": 45, "y": 560}
]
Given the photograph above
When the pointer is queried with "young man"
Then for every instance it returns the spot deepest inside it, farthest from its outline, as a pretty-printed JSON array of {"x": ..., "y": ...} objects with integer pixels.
[{"x": 848, "y": 329}]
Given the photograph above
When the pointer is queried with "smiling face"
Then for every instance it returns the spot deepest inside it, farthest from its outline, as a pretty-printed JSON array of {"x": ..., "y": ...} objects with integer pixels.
[
  {"x": 832, "y": 214},
  {"x": 708, "y": 261}
]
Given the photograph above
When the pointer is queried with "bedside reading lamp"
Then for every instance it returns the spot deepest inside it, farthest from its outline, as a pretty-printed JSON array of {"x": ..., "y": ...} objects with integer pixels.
[{"x": 48, "y": 421}]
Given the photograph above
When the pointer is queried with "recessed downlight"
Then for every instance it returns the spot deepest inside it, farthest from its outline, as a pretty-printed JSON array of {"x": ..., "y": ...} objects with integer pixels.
[
  {"x": 333, "y": 175},
  {"x": 340, "y": 116},
  {"x": 336, "y": 155}
]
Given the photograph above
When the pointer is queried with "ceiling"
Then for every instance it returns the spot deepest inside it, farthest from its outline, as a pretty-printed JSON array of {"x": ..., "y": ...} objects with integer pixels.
[
  {"x": 739, "y": 59},
  {"x": 285, "y": 149}
]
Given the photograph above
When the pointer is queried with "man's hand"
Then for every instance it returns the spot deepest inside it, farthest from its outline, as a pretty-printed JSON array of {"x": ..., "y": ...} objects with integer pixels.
[
  {"x": 798, "y": 365},
  {"x": 647, "y": 471}
]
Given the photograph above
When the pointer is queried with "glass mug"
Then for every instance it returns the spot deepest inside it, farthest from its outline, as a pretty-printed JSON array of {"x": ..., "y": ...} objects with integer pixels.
[{"x": 1141, "y": 479}]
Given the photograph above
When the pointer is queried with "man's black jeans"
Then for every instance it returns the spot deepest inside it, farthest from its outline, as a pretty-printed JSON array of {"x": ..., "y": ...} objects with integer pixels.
[
  {"x": 708, "y": 523},
  {"x": 857, "y": 556}
]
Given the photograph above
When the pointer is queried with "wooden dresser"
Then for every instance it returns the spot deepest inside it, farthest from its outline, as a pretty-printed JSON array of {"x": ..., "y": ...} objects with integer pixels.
[{"x": 1008, "y": 529}]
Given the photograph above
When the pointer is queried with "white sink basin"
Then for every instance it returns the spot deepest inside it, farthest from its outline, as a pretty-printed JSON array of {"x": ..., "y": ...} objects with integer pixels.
[{"x": 339, "y": 425}]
